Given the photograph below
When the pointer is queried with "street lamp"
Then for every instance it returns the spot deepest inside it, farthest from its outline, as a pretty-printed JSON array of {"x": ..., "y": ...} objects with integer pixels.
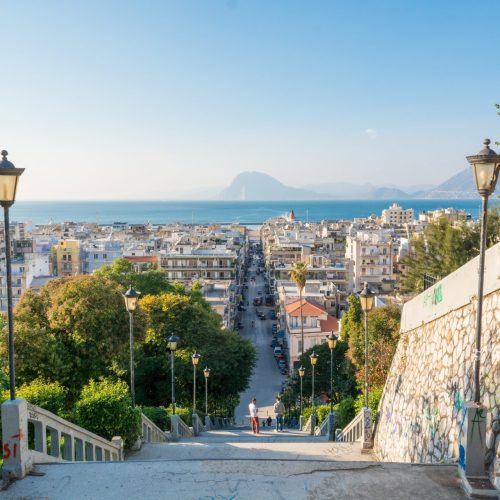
[
  {"x": 485, "y": 167},
  {"x": 172, "y": 345},
  {"x": 206, "y": 373},
  {"x": 332, "y": 342},
  {"x": 366, "y": 298},
  {"x": 314, "y": 360},
  {"x": 131, "y": 297},
  {"x": 9, "y": 176},
  {"x": 195, "y": 358},
  {"x": 301, "y": 371}
]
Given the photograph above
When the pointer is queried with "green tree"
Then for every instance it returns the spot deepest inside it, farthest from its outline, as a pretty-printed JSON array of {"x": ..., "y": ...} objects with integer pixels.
[
  {"x": 352, "y": 320},
  {"x": 229, "y": 357},
  {"x": 298, "y": 275},
  {"x": 75, "y": 330},
  {"x": 121, "y": 271},
  {"x": 443, "y": 248}
]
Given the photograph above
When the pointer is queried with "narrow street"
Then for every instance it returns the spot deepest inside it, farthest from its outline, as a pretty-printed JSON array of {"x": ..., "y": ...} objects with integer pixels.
[{"x": 266, "y": 379}]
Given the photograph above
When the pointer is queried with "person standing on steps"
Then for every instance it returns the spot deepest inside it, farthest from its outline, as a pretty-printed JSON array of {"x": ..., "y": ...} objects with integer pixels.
[
  {"x": 279, "y": 410},
  {"x": 254, "y": 416}
]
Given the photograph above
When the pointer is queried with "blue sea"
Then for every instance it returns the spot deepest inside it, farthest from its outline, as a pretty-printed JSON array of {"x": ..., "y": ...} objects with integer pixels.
[{"x": 244, "y": 212}]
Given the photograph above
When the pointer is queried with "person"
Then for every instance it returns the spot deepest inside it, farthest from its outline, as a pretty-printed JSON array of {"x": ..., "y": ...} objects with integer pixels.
[
  {"x": 269, "y": 421},
  {"x": 253, "y": 323},
  {"x": 254, "y": 416},
  {"x": 279, "y": 409}
]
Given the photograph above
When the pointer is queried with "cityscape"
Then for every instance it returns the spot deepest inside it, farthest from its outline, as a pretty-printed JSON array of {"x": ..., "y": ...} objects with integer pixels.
[{"x": 249, "y": 249}]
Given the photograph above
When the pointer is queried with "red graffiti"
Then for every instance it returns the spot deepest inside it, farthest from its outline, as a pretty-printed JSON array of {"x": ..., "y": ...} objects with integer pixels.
[{"x": 7, "y": 451}]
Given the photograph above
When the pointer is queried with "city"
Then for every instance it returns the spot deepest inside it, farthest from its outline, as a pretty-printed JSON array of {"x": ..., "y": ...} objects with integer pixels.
[{"x": 249, "y": 249}]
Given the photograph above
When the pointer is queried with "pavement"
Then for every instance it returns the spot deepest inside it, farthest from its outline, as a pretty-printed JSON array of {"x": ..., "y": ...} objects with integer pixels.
[
  {"x": 266, "y": 379},
  {"x": 228, "y": 467}
]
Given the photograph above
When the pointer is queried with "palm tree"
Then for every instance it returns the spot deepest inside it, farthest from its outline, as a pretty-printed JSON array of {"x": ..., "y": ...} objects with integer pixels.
[{"x": 298, "y": 275}]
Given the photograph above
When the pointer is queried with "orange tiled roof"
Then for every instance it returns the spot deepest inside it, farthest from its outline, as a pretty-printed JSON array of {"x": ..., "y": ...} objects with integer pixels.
[
  {"x": 151, "y": 259},
  {"x": 308, "y": 308},
  {"x": 330, "y": 324}
]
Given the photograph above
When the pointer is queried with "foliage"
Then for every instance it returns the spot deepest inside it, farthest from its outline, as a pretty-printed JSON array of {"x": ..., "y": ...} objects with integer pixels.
[
  {"x": 48, "y": 395},
  {"x": 343, "y": 373},
  {"x": 321, "y": 412},
  {"x": 344, "y": 412},
  {"x": 121, "y": 271},
  {"x": 443, "y": 248},
  {"x": 374, "y": 395},
  {"x": 158, "y": 415},
  {"x": 352, "y": 320},
  {"x": 75, "y": 330},
  {"x": 383, "y": 336},
  {"x": 230, "y": 358},
  {"x": 298, "y": 274},
  {"x": 105, "y": 408}
]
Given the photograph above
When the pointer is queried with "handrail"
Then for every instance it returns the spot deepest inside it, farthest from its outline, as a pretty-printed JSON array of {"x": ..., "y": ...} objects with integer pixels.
[
  {"x": 68, "y": 441},
  {"x": 307, "y": 426},
  {"x": 151, "y": 433},
  {"x": 323, "y": 429},
  {"x": 354, "y": 430}
]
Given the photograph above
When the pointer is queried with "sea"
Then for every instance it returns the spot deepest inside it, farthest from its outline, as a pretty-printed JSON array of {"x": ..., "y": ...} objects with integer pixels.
[{"x": 203, "y": 212}]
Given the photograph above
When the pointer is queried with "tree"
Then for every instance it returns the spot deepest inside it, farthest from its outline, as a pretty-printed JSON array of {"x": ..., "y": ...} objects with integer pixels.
[
  {"x": 344, "y": 384},
  {"x": 121, "y": 271},
  {"x": 75, "y": 330},
  {"x": 298, "y": 275},
  {"x": 230, "y": 358},
  {"x": 383, "y": 336},
  {"x": 443, "y": 248},
  {"x": 352, "y": 320}
]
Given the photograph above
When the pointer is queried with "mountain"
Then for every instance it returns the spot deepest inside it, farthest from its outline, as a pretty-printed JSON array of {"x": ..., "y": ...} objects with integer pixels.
[
  {"x": 460, "y": 186},
  {"x": 260, "y": 186},
  {"x": 348, "y": 191}
]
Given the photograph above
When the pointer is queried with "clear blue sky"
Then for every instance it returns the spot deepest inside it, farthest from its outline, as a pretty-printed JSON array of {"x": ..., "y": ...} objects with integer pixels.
[{"x": 148, "y": 99}]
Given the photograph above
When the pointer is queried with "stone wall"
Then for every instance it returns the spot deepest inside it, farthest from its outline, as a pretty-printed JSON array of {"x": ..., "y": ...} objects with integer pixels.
[{"x": 421, "y": 413}]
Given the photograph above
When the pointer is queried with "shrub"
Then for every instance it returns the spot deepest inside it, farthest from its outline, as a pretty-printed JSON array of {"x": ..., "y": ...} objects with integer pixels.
[
  {"x": 344, "y": 412},
  {"x": 105, "y": 408},
  {"x": 50, "y": 396},
  {"x": 158, "y": 415},
  {"x": 374, "y": 396}
]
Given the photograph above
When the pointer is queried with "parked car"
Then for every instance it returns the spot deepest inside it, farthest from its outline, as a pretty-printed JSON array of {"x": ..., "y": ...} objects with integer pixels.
[
  {"x": 272, "y": 315},
  {"x": 242, "y": 308},
  {"x": 262, "y": 316},
  {"x": 277, "y": 351},
  {"x": 281, "y": 364},
  {"x": 274, "y": 343}
]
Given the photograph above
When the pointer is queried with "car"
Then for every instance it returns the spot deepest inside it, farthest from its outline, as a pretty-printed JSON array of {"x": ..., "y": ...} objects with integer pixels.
[
  {"x": 277, "y": 351},
  {"x": 280, "y": 357},
  {"x": 272, "y": 315},
  {"x": 242, "y": 308},
  {"x": 262, "y": 316},
  {"x": 281, "y": 364},
  {"x": 274, "y": 343},
  {"x": 240, "y": 326}
]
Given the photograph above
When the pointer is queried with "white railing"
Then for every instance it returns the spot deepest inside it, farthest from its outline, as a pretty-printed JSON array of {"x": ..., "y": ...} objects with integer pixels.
[
  {"x": 323, "y": 429},
  {"x": 307, "y": 426},
  {"x": 151, "y": 433},
  {"x": 359, "y": 429},
  {"x": 57, "y": 440}
]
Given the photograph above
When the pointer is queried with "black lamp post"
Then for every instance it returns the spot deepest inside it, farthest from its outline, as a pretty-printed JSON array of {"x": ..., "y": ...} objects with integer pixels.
[
  {"x": 314, "y": 360},
  {"x": 172, "y": 345},
  {"x": 9, "y": 176},
  {"x": 195, "y": 358},
  {"x": 131, "y": 298},
  {"x": 332, "y": 342},
  {"x": 206, "y": 373},
  {"x": 366, "y": 298},
  {"x": 485, "y": 167},
  {"x": 301, "y": 371}
]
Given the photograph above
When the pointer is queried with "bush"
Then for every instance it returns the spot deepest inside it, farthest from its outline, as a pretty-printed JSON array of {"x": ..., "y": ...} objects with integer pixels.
[
  {"x": 50, "y": 396},
  {"x": 158, "y": 415},
  {"x": 344, "y": 412},
  {"x": 374, "y": 396},
  {"x": 105, "y": 408}
]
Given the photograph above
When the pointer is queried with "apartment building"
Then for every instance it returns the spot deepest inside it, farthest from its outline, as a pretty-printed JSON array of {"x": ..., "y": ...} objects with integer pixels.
[
  {"x": 95, "y": 254},
  {"x": 67, "y": 258},
  {"x": 372, "y": 258},
  {"x": 397, "y": 215}
]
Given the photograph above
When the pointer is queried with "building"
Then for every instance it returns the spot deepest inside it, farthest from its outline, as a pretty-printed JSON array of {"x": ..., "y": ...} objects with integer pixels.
[
  {"x": 67, "y": 258},
  {"x": 95, "y": 254},
  {"x": 371, "y": 254},
  {"x": 396, "y": 215},
  {"x": 318, "y": 324}
]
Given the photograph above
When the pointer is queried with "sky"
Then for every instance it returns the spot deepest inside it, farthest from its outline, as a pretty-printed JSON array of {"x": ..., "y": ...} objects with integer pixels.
[{"x": 141, "y": 100}]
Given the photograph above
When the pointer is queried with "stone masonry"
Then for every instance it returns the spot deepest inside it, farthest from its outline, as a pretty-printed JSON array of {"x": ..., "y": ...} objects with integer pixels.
[{"x": 422, "y": 410}]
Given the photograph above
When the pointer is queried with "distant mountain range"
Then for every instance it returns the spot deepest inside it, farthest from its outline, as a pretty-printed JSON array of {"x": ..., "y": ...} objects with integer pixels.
[{"x": 260, "y": 186}]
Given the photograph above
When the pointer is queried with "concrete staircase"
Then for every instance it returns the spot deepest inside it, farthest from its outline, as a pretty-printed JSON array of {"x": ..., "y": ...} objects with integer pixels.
[{"x": 234, "y": 463}]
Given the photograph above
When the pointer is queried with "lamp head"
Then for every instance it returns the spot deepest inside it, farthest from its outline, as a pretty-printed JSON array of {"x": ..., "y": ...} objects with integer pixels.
[
  {"x": 206, "y": 372},
  {"x": 172, "y": 342},
  {"x": 195, "y": 358},
  {"x": 302, "y": 371},
  {"x": 314, "y": 358},
  {"x": 366, "y": 298},
  {"x": 131, "y": 297},
  {"x": 9, "y": 175},
  {"x": 332, "y": 341},
  {"x": 485, "y": 168}
]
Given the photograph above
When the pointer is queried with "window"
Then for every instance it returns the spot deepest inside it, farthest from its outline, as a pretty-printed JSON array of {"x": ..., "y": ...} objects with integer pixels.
[
  {"x": 69, "y": 257},
  {"x": 96, "y": 256},
  {"x": 104, "y": 256},
  {"x": 299, "y": 346}
]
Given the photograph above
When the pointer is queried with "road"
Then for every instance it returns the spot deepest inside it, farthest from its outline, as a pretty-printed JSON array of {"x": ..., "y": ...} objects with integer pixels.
[{"x": 266, "y": 378}]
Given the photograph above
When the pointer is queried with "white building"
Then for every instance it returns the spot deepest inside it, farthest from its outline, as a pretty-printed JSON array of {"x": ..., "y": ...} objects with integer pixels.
[{"x": 395, "y": 214}]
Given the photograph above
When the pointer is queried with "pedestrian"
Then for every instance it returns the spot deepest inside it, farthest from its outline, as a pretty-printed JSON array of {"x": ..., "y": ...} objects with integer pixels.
[
  {"x": 269, "y": 421},
  {"x": 279, "y": 409},
  {"x": 254, "y": 416}
]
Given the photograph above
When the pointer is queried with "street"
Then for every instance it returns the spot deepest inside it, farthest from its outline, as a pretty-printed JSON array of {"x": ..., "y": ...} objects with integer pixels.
[{"x": 266, "y": 379}]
